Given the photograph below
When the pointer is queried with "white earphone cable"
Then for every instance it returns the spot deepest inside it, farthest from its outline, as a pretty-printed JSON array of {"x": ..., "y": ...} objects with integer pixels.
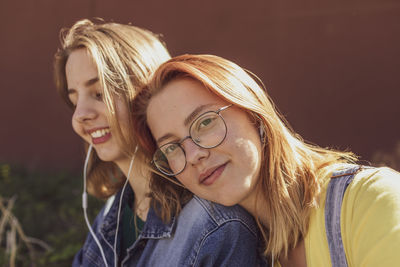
[
  {"x": 85, "y": 205},
  {"x": 119, "y": 208}
]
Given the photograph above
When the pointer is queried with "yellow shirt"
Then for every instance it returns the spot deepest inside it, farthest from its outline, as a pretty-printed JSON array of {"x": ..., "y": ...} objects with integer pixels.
[{"x": 370, "y": 222}]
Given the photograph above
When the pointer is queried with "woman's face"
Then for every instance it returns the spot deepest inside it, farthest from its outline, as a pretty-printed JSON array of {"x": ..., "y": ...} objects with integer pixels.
[
  {"x": 225, "y": 174},
  {"x": 89, "y": 120}
]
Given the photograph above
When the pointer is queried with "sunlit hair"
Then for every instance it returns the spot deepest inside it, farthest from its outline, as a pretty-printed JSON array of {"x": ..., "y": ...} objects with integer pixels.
[
  {"x": 125, "y": 56},
  {"x": 288, "y": 185}
]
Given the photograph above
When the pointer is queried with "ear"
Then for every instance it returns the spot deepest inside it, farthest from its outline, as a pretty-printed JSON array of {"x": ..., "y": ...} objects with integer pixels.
[
  {"x": 261, "y": 131},
  {"x": 260, "y": 125}
]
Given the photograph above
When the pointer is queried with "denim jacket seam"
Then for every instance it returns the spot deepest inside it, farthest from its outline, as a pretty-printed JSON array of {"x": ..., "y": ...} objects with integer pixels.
[
  {"x": 106, "y": 241},
  {"x": 131, "y": 248},
  {"x": 206, "y": 208},
  {"x": 223, "y": 219},
  {"x": 245, "y": 223},
  {"x": 160, "y": 234},
  {"x": 91, "y": 255},
  {"x": 202, "y": 241},
  {"x": 212, "y": 231}
]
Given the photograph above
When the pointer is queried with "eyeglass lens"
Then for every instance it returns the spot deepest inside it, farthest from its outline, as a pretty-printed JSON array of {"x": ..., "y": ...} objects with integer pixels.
[{"x": 207, "y": 131}]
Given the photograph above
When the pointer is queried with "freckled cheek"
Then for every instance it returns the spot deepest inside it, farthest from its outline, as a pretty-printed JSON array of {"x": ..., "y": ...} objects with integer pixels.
[
  {"x": 185, "y": 180},
  {"x": 249, "y": 152}
]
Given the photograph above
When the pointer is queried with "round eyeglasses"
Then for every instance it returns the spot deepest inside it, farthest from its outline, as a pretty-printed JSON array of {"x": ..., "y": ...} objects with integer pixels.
[{"x": 207, "y": 131}]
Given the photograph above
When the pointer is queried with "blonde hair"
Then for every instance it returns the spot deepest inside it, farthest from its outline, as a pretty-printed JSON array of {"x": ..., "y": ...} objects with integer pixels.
[
  {"x": 125, "y": 56},
  {"x": 288, "y": 185}
]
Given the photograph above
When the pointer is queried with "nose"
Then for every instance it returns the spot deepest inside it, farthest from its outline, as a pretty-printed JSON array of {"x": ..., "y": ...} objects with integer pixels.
[
  {"x": 84, "y": 111},
  {"x": 194, "y": 153}
]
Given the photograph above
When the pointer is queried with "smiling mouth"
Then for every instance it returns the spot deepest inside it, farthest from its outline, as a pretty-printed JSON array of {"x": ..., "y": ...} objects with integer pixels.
[
  {"x": 212, "y": 176},
  {"x": 100, "y": 135},
  {"x": 100, "y": 132}
]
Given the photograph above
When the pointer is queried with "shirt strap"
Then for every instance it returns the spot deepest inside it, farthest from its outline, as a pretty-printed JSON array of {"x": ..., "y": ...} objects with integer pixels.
[{"x": 333, "y": 205}]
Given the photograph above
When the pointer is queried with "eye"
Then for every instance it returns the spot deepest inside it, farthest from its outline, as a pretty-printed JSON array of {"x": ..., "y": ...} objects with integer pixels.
[
  {"x": 99, "y": 96},
  {"x": 170, "y": 149},
  {"x": 205, "y": 123}
]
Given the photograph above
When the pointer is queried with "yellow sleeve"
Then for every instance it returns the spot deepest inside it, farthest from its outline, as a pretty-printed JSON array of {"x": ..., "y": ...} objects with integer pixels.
[{"x": 371, "y": 219}]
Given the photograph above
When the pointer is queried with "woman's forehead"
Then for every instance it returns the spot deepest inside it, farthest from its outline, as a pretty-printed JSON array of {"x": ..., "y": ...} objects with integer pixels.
[
  {"x": 174, "y": 104},
  {"x": 186, "y": 91}
]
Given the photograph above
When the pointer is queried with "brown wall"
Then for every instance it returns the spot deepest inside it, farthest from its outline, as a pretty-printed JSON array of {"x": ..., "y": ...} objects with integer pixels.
[{"x": 332, "y": 67}]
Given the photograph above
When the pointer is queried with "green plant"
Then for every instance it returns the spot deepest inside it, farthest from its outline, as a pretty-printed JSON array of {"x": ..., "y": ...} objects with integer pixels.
[{"x": 48, "y": 208}]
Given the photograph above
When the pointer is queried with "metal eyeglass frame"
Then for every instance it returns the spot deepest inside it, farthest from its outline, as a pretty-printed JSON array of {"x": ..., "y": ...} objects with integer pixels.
[{"x": 179, "y": 143}]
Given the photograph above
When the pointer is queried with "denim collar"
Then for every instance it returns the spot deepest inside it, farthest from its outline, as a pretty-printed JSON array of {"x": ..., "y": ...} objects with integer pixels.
[{"x": 154, "y": 227}]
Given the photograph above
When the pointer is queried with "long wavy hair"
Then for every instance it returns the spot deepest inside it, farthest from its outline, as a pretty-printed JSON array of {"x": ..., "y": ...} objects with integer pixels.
[
  {"x": 125, "y": 56},
  {"x": 288, "y": 185}
]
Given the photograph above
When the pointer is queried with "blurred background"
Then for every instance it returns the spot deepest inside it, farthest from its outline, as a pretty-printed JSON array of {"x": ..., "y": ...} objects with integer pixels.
[{"x": 332, "y": 68}]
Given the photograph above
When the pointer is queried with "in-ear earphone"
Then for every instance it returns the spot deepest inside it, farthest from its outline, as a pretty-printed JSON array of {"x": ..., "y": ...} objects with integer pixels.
[{"x": 85, "y": 205}]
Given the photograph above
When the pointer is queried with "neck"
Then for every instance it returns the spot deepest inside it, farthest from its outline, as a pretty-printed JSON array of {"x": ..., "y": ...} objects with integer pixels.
[
  {"x": 296, "y": 256},
  {"x": 139, "y": 181},
  {"x": 255, "y": 205}
]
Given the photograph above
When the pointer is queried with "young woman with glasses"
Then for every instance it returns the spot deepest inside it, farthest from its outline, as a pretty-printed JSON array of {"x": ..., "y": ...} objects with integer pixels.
[
  {"x": 210, "y": 126},
  {"x": 98, "y": 70}
]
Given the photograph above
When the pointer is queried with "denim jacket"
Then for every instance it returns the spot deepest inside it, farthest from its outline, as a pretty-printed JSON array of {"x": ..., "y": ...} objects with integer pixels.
[{"x": 203, "y": 234}]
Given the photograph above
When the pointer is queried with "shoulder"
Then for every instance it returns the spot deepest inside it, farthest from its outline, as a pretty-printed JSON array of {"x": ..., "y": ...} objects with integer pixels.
[
  {"x": 207, "y": 234},
  {"x": 373, "y": 194},
  {"x": 371, "y": 217},
  {"x": 201, "y": 211},
  {"x": 374, "y": 186},
  {"x": 378, "y": 179},
  {"x": 367, "y": 181},
  {"x": 219, "y": 235}
]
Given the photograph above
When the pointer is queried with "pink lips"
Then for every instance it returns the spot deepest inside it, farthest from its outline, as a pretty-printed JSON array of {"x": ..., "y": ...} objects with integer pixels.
[
  {"x": 211, "y": 175},
  {"x": 101, "y": 139}
]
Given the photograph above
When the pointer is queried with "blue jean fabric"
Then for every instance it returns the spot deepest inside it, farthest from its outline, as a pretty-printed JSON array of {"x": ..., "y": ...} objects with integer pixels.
[
  {"x": 333, "y": 206},
  {"x": 203, "y": 234}
]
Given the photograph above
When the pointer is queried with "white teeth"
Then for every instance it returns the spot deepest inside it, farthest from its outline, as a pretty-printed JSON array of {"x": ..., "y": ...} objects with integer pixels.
[{"x": 99, "y": 133}]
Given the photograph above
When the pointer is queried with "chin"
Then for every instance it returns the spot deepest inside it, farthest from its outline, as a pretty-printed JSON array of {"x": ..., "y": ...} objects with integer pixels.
[
  {"x": 107, "y": 157},
  {"x": 226, "y": 202}
]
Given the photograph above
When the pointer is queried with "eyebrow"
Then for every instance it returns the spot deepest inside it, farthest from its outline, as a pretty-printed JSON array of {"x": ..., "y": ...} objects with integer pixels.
[
  {"x": 187, "y": 120},
  {"x": 195, "y": 113},
  {"x": 88, "y": 83},
  {"x": 92, "y": 81}
]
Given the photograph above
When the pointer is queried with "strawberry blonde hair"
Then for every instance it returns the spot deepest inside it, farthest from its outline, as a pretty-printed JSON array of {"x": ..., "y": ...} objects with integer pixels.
[{"x": 288, "y": 185}]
